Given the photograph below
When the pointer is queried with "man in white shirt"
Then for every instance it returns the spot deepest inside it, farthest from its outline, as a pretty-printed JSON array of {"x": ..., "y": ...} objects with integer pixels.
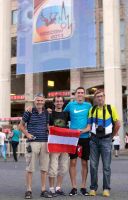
[{"x": 2, "y": 147}]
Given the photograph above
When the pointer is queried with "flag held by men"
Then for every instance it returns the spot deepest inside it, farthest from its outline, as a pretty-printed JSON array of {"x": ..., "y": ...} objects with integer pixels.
[{"x": 62, "y": 140}]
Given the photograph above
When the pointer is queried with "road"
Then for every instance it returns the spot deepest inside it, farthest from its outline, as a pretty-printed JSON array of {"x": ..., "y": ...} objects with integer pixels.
[{"x": 12, "y": 181}]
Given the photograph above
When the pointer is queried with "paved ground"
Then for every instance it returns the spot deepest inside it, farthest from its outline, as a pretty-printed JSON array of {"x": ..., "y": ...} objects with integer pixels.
[{"x": 12, "y": 180}]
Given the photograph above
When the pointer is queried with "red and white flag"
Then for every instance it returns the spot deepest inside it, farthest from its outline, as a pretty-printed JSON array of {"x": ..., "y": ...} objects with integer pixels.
[{"x": 62, "y": 140}]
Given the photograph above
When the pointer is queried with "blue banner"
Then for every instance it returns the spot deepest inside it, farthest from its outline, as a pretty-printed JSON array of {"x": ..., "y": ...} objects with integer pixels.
[{"x": 55, "y": 35}]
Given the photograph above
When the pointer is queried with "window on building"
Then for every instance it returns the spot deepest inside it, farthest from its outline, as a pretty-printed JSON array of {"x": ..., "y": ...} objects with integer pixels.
[
  {"x": 121, "y": 2},
  {"x": 17, "y": 82},
  {"x": 13, "y": 46},
  {"x": 100, "y": 3},
  {"x": 14, "y": 17}
]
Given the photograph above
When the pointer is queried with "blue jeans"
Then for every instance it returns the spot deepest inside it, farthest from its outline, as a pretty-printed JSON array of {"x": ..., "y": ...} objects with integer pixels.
[
  {"x": 3, "y": 151},
  {"x": 101, "y": 147}
]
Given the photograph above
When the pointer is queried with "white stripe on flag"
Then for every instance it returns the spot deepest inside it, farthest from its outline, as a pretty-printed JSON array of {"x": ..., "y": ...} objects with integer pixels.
[{"x": 62, "y": 140}]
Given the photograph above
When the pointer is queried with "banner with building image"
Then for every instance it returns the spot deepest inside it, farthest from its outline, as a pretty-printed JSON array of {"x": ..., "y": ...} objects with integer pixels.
[{"x": 55, "y": 35}]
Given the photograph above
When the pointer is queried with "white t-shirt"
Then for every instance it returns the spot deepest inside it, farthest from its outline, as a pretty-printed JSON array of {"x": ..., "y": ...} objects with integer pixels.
[
  {"x": 2, "y": 138},
  {"x": 116, "y": 140}
]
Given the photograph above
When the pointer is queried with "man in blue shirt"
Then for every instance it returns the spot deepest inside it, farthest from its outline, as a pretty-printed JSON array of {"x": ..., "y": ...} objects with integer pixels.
[
  {"x": 37, "y": 127},
  {"x": 79, "y": 111}
]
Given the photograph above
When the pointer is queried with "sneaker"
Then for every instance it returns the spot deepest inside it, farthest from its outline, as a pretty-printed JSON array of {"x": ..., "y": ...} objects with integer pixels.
[
  {"x": 60, "y": 192},
  {"x": 106, "y": 193},
  {"x": 92, "y": 193},
  {"x": 84, "y": 192},
  {"x": 73, "y": 192},
  {"x": 53, "y": 194},
  {"x": 45, "y": 194},
  {"x": 28, "y": 195}
]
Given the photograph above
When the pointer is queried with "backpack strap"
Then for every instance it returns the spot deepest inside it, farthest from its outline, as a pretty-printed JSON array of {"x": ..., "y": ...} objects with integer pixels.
[
  {"x": 45, "y": 112},
  {"x": 92, "y": 112},
  {"x": 110, "y": 112}
]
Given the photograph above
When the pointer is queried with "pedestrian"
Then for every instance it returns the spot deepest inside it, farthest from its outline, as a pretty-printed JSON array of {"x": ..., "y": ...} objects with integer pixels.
[
  {"x": 105, "y": 125},
  {"x": 58, "y": 161},
  {"x": 2, "y": 144},
  {"x": 79, "y": 110},
  {"x": 15, "y": 137},
  {"x": 126, "y": 141},
  {"x": 37, "y": 134},
  {"x": 116, "y": 144}
]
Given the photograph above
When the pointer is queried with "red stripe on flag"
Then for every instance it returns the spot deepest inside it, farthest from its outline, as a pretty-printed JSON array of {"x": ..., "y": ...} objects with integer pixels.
[
  {"x": 61, "y": 148},
  {"x": 64, "y": 132}
]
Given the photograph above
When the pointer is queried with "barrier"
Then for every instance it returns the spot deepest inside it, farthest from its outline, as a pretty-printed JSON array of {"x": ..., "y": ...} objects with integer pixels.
[{"x": 21, "y": 147}]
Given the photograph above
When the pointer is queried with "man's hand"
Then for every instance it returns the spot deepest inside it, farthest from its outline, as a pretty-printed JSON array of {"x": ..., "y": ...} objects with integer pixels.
[
  {"x": 87, "y": 129},
  {"x": 29, "y": 136},
  {"x": 49, "y": 110},
  {"x": 28, "y": 108}
]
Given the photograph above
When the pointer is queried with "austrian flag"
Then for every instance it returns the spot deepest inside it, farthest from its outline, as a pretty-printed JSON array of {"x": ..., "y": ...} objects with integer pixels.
[{"x": 62, "y": 140}]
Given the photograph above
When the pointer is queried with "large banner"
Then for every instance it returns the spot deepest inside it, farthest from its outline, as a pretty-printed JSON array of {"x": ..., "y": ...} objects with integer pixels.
[{"x": 55, "y": 35}]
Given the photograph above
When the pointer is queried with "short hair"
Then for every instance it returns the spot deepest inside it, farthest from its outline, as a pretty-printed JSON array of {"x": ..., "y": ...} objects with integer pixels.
[
  {"x": 38, "y": 95},
  {"x": 79, "y": 88},
  {"x": 99, "y": 91},
  {"x": 58, "y": 96}
]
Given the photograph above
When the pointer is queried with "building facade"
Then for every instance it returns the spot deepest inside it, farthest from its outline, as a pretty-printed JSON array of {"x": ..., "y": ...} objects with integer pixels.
[{"x": 21, "y": 88}]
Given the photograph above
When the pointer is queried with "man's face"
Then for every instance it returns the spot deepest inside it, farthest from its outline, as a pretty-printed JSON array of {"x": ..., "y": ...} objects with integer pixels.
[
  {"x": 39, "y": 102},
  {"x": 59, "y": 103},
  {"x": 80, "y": 95},
  {"x": 100, "y": 99}
]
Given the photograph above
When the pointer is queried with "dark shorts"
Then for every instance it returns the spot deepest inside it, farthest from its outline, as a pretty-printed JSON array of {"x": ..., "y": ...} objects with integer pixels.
[
  {"x": 84, "y": 142},
  {"x": 116, "y": 147}
]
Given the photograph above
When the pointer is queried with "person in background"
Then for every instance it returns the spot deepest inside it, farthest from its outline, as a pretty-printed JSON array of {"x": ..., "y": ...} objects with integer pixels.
[
  {"x": 116, "y": 144},
  {"x": 126, "y": 141},
  {"x": 2, "y": 145},
  {"x": 72, "y": 96},
  {"x": 15, "y": 137}
]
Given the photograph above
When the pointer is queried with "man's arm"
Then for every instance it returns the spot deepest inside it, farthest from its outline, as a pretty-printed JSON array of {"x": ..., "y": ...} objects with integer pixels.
[
  {"x": 23, "y": 130},
  {"x": 87, "y": 129},
  {"x": 116, "y": 121},
  {"x": 117, "y": 126}
]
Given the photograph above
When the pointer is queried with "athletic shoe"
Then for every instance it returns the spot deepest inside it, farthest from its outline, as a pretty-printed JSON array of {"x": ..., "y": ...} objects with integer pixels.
[
  {"x": 53, "y": 194},
  {"x": 73, "y": 192},
  {"x": 45, "y": 194},
  {"x": 84, "y": 192},
  {"x": 92, "y": 193},
  {"x": 106, "y": 193},
  {"x": 28, "y": 195},
  {"x": 60, "y": 192}
]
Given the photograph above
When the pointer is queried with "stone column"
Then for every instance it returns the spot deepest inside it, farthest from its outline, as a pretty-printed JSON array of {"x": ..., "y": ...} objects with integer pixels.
[
  {"x": 29, "y": 95},
  {"x": 38, "y": 83},
  {"x": 112, "y": 70},
  {"x": 5, "y": 58},
  {"x": 33, "y": 85},
  {"x": 126, "y": 44},
  {"x": 75, "y": 79}
]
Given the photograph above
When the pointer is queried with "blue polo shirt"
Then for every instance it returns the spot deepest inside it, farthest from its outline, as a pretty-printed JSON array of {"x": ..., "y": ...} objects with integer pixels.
[
  {"x": 37, "y": 124},
  {"x": 78, "y": 115}
]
